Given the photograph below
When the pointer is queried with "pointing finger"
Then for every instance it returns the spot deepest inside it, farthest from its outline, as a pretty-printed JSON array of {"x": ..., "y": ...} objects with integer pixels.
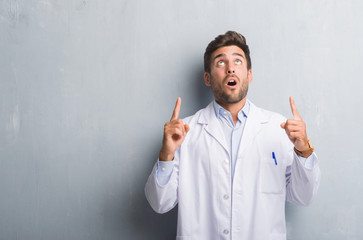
[
  {"x": 295, "y": 113},
  {"x": 176, "y": 109}
]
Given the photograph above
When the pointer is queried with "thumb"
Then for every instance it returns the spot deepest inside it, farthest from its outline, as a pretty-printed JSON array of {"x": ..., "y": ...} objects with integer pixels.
[
  {"x": 282, "y": 125},
  {"x": 186, "y": 128}
]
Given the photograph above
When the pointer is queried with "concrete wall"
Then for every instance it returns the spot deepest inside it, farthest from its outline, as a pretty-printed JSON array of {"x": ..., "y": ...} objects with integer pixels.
[{"x": 86, "y": 86}]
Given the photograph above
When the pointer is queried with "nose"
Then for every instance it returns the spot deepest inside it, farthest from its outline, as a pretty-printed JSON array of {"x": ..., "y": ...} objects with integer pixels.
[{"x": 230, "y": 69}]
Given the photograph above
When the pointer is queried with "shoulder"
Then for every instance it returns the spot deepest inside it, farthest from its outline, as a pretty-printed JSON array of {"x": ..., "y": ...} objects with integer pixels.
[
  {"x": 272, "y": 132},
  {"x": 270, "y": 116},
  {"x": 200, "y": 115}
]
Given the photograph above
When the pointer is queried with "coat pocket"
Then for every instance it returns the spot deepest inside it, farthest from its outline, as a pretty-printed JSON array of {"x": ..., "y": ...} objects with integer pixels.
[{"x": 272, "y": 177}]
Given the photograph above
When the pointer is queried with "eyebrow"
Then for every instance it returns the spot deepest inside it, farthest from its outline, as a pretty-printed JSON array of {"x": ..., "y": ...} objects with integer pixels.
[{"x": 234, "y": 54}]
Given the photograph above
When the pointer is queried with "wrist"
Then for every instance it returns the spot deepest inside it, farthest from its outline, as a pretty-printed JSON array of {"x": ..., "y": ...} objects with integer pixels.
[
  {"x": 307, "y": 151},
  {"x": 165, "y": 157}
]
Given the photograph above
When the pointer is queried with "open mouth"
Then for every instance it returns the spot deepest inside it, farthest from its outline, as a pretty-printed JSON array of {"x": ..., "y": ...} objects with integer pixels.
[{"x": 231, "y": 82}]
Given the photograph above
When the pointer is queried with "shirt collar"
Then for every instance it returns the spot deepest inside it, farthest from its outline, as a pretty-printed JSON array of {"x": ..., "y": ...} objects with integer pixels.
[{"x": 219, "y": 110}]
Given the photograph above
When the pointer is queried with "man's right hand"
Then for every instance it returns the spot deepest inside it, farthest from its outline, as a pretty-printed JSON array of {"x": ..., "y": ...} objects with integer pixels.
[{"x": 174, "y": 134}]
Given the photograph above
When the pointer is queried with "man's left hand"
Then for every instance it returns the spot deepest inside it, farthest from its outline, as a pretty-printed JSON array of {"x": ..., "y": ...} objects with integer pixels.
[{"x": 296, "y": 129}]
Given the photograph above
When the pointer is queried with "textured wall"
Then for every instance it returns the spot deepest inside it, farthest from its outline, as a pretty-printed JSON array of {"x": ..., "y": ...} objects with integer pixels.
[{"x": 86, "y": 86}]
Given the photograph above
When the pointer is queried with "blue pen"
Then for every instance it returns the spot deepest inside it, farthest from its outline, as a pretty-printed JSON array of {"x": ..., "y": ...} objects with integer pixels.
[{"x": 273, "y": 156}]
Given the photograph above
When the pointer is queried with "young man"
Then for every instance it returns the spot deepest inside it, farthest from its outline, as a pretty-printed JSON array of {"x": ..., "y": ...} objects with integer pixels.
[{"x": 231, "y": 166}]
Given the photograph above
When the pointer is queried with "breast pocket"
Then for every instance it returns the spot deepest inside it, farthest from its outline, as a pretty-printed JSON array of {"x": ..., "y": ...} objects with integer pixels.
[{"x": 271, "y": 177}]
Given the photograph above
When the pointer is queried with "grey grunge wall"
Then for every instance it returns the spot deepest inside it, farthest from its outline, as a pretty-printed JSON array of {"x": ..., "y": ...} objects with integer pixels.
[{"x": 87, "y": 85}]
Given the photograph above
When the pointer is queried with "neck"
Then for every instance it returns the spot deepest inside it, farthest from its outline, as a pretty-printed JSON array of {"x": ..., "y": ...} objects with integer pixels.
[{"x": 233, "y": 108}]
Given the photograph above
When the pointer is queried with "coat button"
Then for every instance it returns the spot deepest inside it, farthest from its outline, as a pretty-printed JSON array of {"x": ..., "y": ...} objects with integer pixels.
[
  {"x": 226, "y": 196},
  {"x": 226, "y": 231}
]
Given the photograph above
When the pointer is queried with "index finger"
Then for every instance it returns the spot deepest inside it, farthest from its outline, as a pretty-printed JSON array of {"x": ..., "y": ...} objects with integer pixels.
[
  {"x": 295, "y": 113},
  {"x": 176, "y": 109}
]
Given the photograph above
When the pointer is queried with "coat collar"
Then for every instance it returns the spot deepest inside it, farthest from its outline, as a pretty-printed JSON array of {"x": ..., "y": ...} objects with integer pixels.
[{"x": 256, "y": 120}]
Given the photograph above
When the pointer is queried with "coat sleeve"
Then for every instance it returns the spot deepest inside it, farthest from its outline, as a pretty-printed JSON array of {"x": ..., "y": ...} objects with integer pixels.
[
  {"x": 302, "y": 183},
  {"x": 163, "y": 198}
]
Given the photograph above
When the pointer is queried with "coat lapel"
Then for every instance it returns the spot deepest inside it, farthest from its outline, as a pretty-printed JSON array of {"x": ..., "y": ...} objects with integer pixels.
[
  {"x": 256, "y": 121},
  {"x": 213, "y": 127}
]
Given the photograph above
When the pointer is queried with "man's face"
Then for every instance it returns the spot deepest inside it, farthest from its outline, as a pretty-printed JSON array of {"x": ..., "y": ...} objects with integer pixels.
[{"x": 229, "y": 77}]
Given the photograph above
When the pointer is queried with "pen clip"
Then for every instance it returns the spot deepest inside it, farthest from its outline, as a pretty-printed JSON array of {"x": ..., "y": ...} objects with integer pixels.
[{"x": 273, "y": 156}]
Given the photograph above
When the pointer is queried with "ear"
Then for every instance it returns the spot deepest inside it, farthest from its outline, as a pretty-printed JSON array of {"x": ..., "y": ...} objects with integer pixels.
[
  {"x": 207, "y": 79},
  {"x": 249, "y": 76}
]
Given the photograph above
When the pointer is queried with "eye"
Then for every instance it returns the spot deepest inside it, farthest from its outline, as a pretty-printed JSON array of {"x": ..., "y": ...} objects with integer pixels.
[
  {"x": 238, "y": 62},
  {"x": 220, "y": 63}
]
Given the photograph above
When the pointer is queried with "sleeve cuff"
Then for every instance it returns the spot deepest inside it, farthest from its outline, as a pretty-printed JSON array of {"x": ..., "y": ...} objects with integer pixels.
[
  {"x": 163, "y": 171},
  {"x": 308, "y": 162}
]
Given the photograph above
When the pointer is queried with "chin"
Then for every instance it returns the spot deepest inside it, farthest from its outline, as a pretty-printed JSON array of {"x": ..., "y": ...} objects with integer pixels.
[{"x": 232, "y": 101}]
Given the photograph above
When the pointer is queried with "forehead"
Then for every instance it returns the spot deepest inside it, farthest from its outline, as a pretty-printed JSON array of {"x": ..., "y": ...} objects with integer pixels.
[{"x": 228, "y": 51}]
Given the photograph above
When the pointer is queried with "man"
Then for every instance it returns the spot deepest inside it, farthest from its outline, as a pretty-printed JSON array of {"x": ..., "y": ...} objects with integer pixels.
[{"x": 231, "y": 166}]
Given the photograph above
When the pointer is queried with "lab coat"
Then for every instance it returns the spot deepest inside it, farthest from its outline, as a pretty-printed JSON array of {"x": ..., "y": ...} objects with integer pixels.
[{"x": 252, "y": 206}]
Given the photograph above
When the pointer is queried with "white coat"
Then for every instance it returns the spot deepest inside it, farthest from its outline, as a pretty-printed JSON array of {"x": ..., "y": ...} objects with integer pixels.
[{"x": 253, "y": 207}]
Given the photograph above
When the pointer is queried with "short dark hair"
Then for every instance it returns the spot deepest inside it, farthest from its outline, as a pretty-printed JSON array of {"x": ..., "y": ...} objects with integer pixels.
[{"x": 228, "y": 39}]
